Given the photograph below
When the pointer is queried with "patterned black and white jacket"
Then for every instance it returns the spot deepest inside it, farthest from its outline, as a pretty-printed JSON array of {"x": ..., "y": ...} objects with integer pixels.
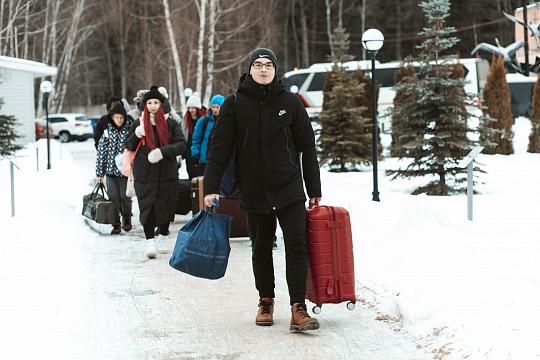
[{"x": 112, "y": 143}]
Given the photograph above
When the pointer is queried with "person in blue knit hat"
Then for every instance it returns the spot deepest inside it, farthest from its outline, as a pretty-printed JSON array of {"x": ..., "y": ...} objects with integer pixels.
[{"x": 201, "y": 134}]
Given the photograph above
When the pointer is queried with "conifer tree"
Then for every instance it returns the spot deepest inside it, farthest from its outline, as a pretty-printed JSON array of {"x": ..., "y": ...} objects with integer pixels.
[
  {"x": 404, "y": 97},
  {"x": 344, "y": 143},
  {"x": 364, "y": 100},
  {"x": 435, "y": 133},
  {"x": 534, "y": 137},
  {"x": 496, "y": 127},
  {"x": 7, "y": 134}
]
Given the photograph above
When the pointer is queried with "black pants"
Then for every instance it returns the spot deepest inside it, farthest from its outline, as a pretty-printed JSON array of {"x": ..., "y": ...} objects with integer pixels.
[
  {"x": 150, "y": 226},
  {"x": 262, "y": 228},
  {"x": 116, "y": 189}
]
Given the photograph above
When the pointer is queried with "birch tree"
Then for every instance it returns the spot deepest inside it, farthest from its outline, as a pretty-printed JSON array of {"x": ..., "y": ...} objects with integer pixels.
[
  {"x": 211, "y": 51},
  {"x": 175, "y": 55},
  {"x": 201, "y": 7}
]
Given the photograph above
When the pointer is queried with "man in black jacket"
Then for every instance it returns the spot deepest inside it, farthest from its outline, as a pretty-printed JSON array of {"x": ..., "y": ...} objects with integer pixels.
[{"x": 268, "y": 128}]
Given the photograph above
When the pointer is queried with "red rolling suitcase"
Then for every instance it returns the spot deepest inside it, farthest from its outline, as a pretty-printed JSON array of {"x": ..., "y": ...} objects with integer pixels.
[{"x": 331, "y": 264}]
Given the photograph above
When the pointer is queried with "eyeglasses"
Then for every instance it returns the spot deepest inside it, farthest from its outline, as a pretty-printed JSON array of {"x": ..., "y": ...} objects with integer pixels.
[{"x": 259, "y": 65}]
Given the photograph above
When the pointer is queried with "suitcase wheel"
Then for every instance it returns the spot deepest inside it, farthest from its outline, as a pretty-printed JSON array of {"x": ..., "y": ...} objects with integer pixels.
[
  {"x": 350, "y": 305},
  {"x": 316, "y": 309}
]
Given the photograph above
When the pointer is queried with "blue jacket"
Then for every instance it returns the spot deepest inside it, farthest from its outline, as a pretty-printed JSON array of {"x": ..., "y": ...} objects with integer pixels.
[{"x": 199, "y": 144}]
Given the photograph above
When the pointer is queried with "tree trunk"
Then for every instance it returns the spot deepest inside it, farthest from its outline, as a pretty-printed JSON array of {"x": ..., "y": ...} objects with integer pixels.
[
  {"x": 295, "y": 35},
  {"x": 109, "y": 63},
  {"x": 398, "y": 30},
  {"x": 87, "y": 79},
  {"x": 123, "y": 68},
  {"x": 211, "y": 51},
  {"x": 25, "y": 38},
  {"x": 200, "y": 45},
  {"x": 305, "y": 36},
  {"x": 363, "y": 26},
  {"x": 286, "y": 37},
  {"x": 176, "y": 57},
  {"x": 329, "y": 27},
  {"x": 2, "y": 2},
  {"x": 442, "y": 182},
  {"x": 67, "y": 57},
  {"x": 340, "y": 14}
]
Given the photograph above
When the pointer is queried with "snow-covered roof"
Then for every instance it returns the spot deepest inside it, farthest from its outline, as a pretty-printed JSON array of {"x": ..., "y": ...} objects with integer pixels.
[
  {"x": 34, "y": 67},
  {"x": 517, "y": 78},
  {"x": 530, "y": 6}
]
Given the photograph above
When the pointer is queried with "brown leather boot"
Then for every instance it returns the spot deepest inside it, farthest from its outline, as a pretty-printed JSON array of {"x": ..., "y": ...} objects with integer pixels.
[
  {"x": 116, "y": 229},
  {"x": 265, "y": 315},
  {"x": 300, "y": 319},
  {"x": 127, "y": 223}
]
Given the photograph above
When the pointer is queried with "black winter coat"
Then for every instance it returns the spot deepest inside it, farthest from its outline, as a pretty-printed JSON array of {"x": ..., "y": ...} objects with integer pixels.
[
  {"x": 268, "y": 127},
  {"x": 156, "y": 185}
]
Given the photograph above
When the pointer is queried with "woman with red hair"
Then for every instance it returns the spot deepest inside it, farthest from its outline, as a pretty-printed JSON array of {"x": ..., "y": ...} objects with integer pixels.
[{"x": 157, "y": 140}]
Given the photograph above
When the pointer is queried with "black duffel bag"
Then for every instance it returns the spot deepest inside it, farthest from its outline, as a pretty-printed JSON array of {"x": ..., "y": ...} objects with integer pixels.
[
  {"x": 97, "y": 207},
  {"x": 183, "y": 203}
]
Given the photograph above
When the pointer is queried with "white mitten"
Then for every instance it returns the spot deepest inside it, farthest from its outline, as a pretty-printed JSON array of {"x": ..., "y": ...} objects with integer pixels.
[
  {"x": 155, "y": 156},
  {"x": 139, "y": 131}
]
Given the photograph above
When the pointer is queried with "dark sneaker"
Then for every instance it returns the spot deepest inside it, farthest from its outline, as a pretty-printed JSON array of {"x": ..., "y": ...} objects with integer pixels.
[
  {"x": 127, "y": 223},
  {"x": 300, "y": 319},
  {"x": 116, "y": 229},
  {"x": 265, "y": 315}
]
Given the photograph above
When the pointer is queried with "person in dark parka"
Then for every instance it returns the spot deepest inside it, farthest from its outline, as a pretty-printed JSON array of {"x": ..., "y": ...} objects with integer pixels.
[
  {"x": 154, "y": 169},
  {"x": 267, "y": 127}
]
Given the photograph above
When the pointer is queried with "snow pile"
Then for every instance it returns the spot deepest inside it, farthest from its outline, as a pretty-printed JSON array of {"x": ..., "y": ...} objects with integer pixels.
[
  {"x": 44, "y": 292},
  {"x": 462, "y": 288}
]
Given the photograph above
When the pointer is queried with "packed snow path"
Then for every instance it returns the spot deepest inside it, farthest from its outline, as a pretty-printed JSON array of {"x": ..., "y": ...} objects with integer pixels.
[
  {"x": 70, "y": 293},
  {"x": 148, "y": 310}
]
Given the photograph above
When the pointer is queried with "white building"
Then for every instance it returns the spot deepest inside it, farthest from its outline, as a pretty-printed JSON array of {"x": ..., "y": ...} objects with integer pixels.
[{"x": 17, "y": 91}]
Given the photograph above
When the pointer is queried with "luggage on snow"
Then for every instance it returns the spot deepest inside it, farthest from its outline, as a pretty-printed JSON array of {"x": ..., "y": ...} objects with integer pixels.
[{"x": 331, "y": 264}]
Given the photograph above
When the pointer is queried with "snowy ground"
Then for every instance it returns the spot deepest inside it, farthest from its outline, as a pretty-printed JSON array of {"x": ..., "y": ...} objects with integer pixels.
[{"x": 439, "y": 286}]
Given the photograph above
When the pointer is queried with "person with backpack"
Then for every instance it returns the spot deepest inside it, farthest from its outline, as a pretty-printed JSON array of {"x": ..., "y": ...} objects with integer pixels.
[
  {"x": 108, "y": 148},
  {"x": 157, "y": 140},
  {"x": 195, "y": 111},
  {"x": 202, "y": 131},
  {"x": 267, "y": 127}
]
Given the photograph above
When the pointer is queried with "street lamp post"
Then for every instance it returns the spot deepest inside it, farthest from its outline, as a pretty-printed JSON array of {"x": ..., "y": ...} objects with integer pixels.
[
  {"x": 46, "y": 88},
  {"x": 372, "y": 41}
]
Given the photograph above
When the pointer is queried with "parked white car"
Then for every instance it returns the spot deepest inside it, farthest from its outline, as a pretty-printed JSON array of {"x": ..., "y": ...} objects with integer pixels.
[{"x": 67, "y": 127}]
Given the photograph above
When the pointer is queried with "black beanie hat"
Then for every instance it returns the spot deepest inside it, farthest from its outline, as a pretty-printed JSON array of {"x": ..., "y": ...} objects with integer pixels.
[
  {"x": 262, "y": 53},
  {"x": 118, "y": 109},
  {"x": 153, "y": 93}
]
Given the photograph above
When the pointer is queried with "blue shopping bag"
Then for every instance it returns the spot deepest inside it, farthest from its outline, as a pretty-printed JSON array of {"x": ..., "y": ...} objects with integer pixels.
[{"x": 202, "y": 245}]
